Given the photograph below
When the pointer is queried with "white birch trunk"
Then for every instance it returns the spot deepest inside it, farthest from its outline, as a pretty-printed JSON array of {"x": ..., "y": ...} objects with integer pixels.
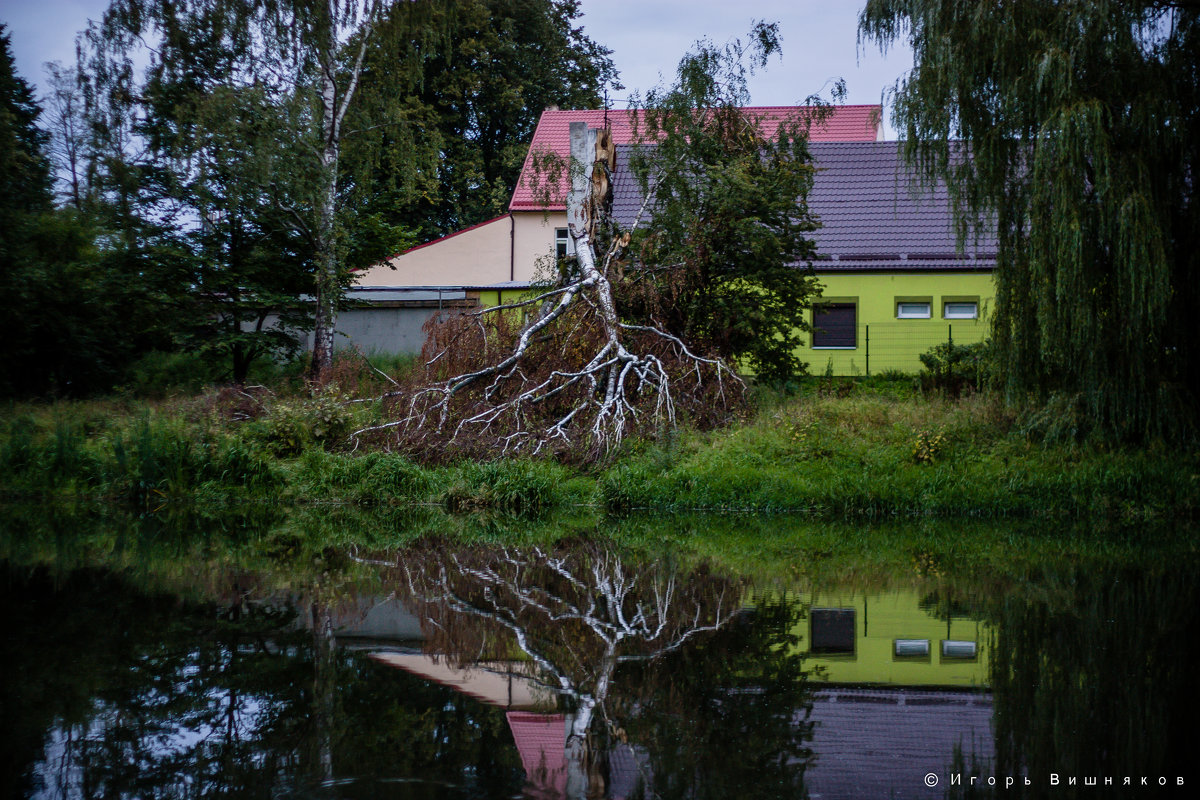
[
  {"x": 333, "y": 111},
  {"x": 325, "y": 320}
]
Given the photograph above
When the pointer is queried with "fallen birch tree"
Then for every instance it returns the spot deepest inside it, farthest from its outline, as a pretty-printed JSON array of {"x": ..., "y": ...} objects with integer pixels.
[
  {"x": 577, "y": 613},
  {"x": 641, "y": 326}
]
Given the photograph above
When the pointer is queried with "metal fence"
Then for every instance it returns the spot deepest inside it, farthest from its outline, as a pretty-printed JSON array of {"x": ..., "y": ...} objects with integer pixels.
[{"x": 892, "y": 346}]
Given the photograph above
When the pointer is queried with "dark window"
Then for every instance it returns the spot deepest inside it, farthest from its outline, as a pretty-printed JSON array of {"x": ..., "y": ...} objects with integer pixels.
[
  {"x": 560, "y": 242},
  {"x": 832, "y": 630},
  {"x": 835, "y": 325}
]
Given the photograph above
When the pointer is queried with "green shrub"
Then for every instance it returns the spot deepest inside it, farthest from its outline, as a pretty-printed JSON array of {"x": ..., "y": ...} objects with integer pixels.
[
  {"x": 927, "y": 447},
  {"x": 158, "y": 374},
  {"x": 514, "y": 486},
  {"x": 19, "y": 450},
  {"x": 953, "y": 368},
  {"x": 393, "y": 477},
  {"x": 163, "y": 459},
  {"x": 295, "y": 425}
]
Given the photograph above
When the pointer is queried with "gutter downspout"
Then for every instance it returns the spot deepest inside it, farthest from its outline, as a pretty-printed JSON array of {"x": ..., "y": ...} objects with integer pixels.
[{"x": 512, "y": 247}]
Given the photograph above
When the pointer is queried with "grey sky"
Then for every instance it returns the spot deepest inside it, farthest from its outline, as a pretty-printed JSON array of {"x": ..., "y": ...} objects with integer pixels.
[{"x": 647, "y": 38}]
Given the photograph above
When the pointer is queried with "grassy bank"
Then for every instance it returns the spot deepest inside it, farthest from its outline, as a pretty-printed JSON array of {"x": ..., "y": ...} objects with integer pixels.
[
  {"x": 870, "y": 449},
  {"x": 881, "y": 455}
]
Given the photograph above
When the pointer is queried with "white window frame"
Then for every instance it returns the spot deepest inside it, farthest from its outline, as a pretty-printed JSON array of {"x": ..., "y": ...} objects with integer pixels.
[
  {"x": 562, "y": 243},
  {"x": 915, "y": 309},
  {"x": 948, "y": 314}
]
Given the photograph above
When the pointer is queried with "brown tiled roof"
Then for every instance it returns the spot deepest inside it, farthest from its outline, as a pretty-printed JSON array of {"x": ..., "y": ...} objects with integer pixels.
[{"x": 845, "y": 124}]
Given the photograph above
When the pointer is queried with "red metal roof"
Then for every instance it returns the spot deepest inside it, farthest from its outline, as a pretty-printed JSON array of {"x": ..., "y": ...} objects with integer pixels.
[
  {"x": 541, "y": 741},
  {"x": 553, "y": 133}
]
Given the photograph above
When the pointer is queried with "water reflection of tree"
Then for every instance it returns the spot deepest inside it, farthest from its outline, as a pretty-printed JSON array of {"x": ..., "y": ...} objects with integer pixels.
[
  {"x": 728, "y": 717},
  {"x": 114, "y": 691},
  {"x": 1093, "y": 674},
  {"x": 662, "y": 672}
]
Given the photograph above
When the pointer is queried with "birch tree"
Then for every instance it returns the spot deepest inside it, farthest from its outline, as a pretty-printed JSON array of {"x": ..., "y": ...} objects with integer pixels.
[
  {"x": 347, "y": 135},
  {"x": 304, "y": 61},
  {"x": 578, "y": 613},
  {"x": 642, "y": 324}
]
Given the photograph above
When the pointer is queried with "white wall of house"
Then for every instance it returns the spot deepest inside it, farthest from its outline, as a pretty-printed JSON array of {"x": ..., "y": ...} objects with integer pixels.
[
  {"x": 504, "y": 249},
  {"x": 472, "y": 257},
  {"x": 534, "y": 240}
]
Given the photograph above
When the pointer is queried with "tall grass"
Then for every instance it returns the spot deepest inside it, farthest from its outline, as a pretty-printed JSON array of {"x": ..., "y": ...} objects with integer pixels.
[
  {"x": 143, "y": 460},
  {"x": 881, "y": 456},
  {"x": 859, "y": 453}
]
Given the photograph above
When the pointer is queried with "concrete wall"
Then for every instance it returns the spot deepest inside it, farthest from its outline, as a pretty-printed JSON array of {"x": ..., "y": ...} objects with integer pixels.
[{"x": 376, "y": 330}]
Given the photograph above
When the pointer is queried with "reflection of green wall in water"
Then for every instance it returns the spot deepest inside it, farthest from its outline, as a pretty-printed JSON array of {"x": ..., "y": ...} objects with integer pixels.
[{"x": 880, "y": 619}]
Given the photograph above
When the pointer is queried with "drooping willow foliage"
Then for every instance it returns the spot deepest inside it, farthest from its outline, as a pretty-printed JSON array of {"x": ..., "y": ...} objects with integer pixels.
[{"x": 1082, "y": 122}]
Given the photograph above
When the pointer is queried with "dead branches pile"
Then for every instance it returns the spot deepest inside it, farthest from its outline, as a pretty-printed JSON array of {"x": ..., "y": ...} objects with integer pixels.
[{"x": 561, "y": 370}]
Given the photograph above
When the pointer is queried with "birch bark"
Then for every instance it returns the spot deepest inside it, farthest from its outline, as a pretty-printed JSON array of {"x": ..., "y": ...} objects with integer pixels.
[{"x": 333, "y": 111}]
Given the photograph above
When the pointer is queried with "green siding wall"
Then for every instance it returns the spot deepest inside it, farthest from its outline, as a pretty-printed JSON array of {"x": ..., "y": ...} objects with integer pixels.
[
  {"x": 881, "y": 618},
  {"x": 884, "y": 342}
]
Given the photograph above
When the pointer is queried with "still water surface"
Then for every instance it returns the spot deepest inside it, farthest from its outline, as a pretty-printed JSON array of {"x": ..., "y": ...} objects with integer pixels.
[{"x": 201, "y": 658}]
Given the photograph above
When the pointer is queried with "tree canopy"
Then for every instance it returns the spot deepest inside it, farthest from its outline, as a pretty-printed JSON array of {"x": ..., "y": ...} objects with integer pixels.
[
  {"x": 1073, "y": 127},
  {"x": 265, "y": 151},
  {"x": 725, "y": 242},
  {"x": 67, "y": 326},
  {"x": 483, "y": 87}
]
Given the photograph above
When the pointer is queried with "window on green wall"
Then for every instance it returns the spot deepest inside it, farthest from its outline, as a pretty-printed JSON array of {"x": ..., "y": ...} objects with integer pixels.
[
  {"x": 910, "y": 310},
  {"x": 961, "y": 310},
  {"x": 835, "y": 326},
  {"x": 831, "y": 630}
]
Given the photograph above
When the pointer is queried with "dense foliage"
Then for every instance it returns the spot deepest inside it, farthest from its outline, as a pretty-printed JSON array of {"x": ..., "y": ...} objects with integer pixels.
[
  {"x": 723, "y": 264},
  {"x": 484, "y": 84},
  {"x": 206, "y": 196},
  {"x": 1082, "y": 122},
  {"x": 69, "y": 318}
]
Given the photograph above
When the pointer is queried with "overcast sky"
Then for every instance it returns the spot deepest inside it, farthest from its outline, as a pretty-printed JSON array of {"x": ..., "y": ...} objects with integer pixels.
[{"x": 647, "y": 38}]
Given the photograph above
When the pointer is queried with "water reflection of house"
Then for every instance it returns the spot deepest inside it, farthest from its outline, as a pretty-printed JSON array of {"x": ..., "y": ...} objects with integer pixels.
[
  {"x": 899, "y": 692},
  {"x": 883, "y": 742},
  {"x": 899, "y": 637},
  {"x": 903, "y": 676},
  {"x": 391, "y": 634},
  {"x": 540, "y": 736}
]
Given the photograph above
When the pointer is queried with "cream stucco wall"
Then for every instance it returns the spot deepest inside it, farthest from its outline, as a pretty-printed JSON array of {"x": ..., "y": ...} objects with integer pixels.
[
  {"x": 473, "y": 257},
  {"x": 504, "y": 249},
  {"x": 534, "y": 240}
]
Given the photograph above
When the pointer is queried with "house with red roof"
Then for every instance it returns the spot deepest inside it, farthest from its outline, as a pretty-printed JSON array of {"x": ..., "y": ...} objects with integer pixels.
[
  {"x": 504, "y": 254},
  {"x": 896, "y": 280}
]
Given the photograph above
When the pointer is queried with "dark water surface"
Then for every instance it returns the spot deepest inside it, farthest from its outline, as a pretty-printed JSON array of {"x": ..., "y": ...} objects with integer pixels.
[{"x": 758, "y": 658}]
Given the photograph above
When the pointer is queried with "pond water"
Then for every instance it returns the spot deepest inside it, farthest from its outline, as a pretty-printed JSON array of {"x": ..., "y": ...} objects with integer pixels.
[{"x": 764, "y": 658}]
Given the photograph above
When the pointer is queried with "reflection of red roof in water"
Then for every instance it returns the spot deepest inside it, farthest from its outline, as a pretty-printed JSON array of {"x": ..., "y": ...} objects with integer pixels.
[
  {"x": 541, "y": 741},
  {"x": 553, "y": 133}
]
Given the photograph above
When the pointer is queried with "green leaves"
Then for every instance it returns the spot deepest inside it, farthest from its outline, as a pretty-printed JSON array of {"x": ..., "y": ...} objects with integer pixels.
[
  {"x": 1082, "y": 121},
  {"x": 726, "y": 251}
]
